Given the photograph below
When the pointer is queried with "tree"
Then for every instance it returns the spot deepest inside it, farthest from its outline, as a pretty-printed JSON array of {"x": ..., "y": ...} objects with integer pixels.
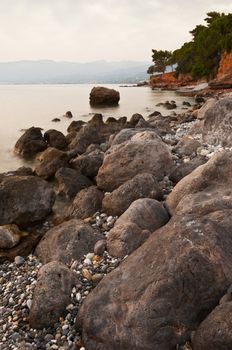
[
  {"x": 161, "y": 60},
  {"x": 150, "y": 70}
]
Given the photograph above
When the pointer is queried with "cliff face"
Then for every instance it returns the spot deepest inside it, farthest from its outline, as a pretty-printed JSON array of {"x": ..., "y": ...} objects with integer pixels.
[
  {"x": 224, "y": 75},
  {"x": 168, "y": 80},
  {"x": 225, "y": 66}
]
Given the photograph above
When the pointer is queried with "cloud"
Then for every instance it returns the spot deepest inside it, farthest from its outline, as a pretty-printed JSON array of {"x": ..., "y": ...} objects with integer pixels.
[{"x": 80, "y": 30}]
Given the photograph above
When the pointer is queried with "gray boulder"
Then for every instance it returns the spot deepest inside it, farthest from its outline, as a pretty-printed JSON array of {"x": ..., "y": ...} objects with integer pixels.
[
  {"x": 24, "y": 200},
  {"x": 52, "y": 295}
]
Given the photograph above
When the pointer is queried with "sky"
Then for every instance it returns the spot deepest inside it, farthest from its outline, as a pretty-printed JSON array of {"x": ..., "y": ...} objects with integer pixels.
[{"x": 90, "y": 30}]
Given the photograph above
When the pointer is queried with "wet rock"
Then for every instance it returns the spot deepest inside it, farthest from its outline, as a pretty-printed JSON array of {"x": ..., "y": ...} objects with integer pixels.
[
  {"x": 24, "y": 200},
  {"x": 30, "y": 143},
  {"x": 141, "y": 186},
  {"x": 88, "y": 163},
  {"x": 143, "y": 153},
  {"x": 51, "y": 160},
  {"x": 69, "y": 182},
  {"x": 206, "y": 189},
  {"x": 104, "y": 96},
  {"x": 164, "y": 289},
  {"x": 68, "y": 114},
  {"x": 56, "y": 120},
  {"x": 86, "y": 203},
  {"x": 135, "y": 119},
  {"x": 215, "y": 332},
  {"x": 52, "y": 295},
  {"x": 67, "y": 241},
  {"x": 75, "y": 125},
  {"x": 55, "y": 139},
  {"x": 9, "y": 236}
]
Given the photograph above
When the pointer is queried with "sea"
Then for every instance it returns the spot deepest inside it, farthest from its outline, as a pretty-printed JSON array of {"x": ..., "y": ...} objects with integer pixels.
[{"x": 23, "y": 106}]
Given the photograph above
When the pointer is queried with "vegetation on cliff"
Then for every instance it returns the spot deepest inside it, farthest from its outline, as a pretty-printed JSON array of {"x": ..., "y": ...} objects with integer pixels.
[{"x": 201, "y": 56}]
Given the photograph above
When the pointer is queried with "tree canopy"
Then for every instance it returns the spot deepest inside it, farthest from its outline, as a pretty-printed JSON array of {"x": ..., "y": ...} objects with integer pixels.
[{"x": 200, "y": 57}]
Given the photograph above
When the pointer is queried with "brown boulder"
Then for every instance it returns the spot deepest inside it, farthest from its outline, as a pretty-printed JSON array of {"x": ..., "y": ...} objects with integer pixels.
[
  {"x": 67, "y": 241},
  {"x": 141, "y": 186},
  {"x": 163, "y": 290},
  {"x": 24, "y": 200},
  {"x": 143, "y": 153},
  {"x": 204, "y": 190},
  {"x": 88, "y": 163},
  {"x": 215, "y": 332},
  {"x": 55, "y": 139},
  {"x": 52, "y": 295},
  {"x": 69, "y": 182},
  {"x": 104, "y": 96},
  {"x": 51, "y": 160},
  {"x": 86, "y": 203},
  {"x": 30, "y": 143},
  {"x": 185, "y": 169},
  {"x": 187, "y": 146}
]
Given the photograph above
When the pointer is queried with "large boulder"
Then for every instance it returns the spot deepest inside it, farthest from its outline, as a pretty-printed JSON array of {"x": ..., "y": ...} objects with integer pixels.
[
  {"x": 55, "y": 139},
  {"x": 141, "y": 186},
  {"x": 69, "y": 182},
  {"x": 67, "y": 241},
  {"x": 127, "y": 134},
  {"x": 215, "y": 332},
  {"x": 88, "y": 135},
  {"x": 206, "y": 189},
  {"x": 89, "y": 163},
  {"x": 163, "y": 290},
  {"x": 103, "y": 96},
  {"x": 134, "y": 226},
  {"x": 217, "y": 128},
  {"x": 24, "y": 200},
  {"x": 51, "y": 160},
  {"x": 86, "y": 203},
  {"x": 52, "y": 295},
  {"x": 143, "y": 153},
  {"x": 30, "y": 143}
]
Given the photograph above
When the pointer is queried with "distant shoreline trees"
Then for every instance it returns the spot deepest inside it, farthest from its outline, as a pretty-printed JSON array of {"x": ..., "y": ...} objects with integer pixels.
[{"x": 201, "y": 56}]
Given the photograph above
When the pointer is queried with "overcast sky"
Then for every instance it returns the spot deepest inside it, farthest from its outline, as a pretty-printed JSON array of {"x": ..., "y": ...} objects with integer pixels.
[{"x": 88, "y": 30}]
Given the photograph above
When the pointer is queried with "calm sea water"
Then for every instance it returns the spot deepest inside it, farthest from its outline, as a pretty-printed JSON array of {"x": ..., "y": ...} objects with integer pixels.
[{"x": 23, "y": 106}]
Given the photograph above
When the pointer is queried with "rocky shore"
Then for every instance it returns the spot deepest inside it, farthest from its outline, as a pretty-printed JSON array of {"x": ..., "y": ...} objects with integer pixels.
[{"x": 121, "y": 236}]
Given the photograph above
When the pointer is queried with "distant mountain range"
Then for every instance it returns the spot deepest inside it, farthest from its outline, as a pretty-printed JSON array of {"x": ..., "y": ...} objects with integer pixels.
[{"x": 51, "y": 72}]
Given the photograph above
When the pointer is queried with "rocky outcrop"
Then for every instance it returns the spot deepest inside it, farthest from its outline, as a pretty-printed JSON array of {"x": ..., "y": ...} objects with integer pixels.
[
  {"x": 143, "y": 153},
  {"x": 206, "y": 189},
  {"x": 24, "y": 200},
  {"x": 51, "y": 160},
  {"x": 134, "y": 226},
  {"x": 163, "y": 290},
  {"x": 52, "y": 295},
  {"x": 141, "y": 186},
  {"x": 67, "y": 241},
  {"x": 224, "y": 76},
  {"x": 86, "y": 203},
  {"x": 104, "y": 96},
  {"x": 30, "y": 143}
]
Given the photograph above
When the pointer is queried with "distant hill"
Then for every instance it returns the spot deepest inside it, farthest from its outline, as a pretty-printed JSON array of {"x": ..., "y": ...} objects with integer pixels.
[{"x": 51, "y": 72}]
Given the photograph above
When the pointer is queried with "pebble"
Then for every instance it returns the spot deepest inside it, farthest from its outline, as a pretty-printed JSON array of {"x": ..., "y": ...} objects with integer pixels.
[{"x": 19, "y": 260}]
